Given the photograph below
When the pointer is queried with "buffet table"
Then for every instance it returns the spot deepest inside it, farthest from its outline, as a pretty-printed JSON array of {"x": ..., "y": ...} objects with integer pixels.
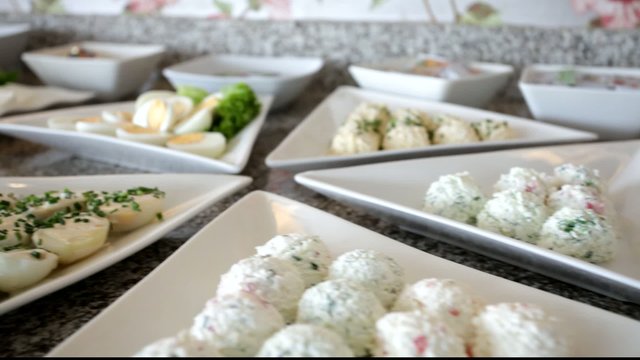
[{"x": 34, "y": 329}]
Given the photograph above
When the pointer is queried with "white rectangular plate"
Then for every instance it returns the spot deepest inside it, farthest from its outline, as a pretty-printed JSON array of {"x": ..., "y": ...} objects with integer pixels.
[
  {"x": 307, "y": 146},
  {"x": 186, "y": 196},
  {"x": 33, "y": 127},
  {"x": 396, "y": 190},
  {"x": 151, "y": 310}
]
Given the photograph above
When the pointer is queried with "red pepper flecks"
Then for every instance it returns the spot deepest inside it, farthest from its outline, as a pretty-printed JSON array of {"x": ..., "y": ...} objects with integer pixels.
[
  {"x": 454, "y": 312},
  {"x": 421, "y": 344}
]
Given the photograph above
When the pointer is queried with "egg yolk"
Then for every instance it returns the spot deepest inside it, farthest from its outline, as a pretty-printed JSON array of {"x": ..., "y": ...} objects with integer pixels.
[
  {"x": 93, "y": 119},
  {"x": 135, "y": 129},
  {"x": 157, "y": 113},
  {"x": 187, "y": 139},
  {"x": 209, "y": 104},
  {"x": 124, "y": 115},
  {"x": 179, "y": 108}
]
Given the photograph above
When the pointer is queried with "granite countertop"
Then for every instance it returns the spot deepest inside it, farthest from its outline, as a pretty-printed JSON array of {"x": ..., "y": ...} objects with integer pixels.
[{"x": 37, "y": 327}]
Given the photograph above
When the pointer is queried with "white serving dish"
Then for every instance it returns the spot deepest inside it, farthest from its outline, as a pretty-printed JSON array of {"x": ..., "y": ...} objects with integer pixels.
[
  {"x": 13, "y": 40},
  {"x": 209, "y": 253},
  {"x": 307, "y": 146},
  {"x": 17, "y": 97},
  {"x": 293, "y": 74},
  {"x": 33, "y": 127},
  {"x": 400, "y": 197},
  {"x": 186, "y": 196},
  {"x": 119, "y": 70},
  {"x": 613, "y": 115},
  {"x": 475, "y": 91}
]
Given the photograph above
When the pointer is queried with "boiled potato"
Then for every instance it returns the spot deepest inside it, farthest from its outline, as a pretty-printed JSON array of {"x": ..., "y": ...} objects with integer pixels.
[
  {"x": 126, "y": 216},
  {"x": 22, "y": 268}
]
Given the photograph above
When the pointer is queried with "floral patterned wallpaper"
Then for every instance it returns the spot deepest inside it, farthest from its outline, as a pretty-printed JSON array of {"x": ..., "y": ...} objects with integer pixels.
[{"x": 613, "y": 14}]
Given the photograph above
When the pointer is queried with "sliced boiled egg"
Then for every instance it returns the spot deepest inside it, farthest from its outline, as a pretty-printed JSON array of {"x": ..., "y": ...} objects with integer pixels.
[
  {"x": 63, "y": 122},
  {"x": 210, "y": 102},
  {"x": 55, "y": 201},
  {"x": 156, "y": 114},
  {"x": 96, "y": 125},
  {"x": 25, "y": 267},
  {"x": 198, "y": 122},
  {"x": 78, "y": 237},
  {"x": 210, "y": 144},
  {"x": 126, "y": 216},
  {"x": 14, "y": 231},
  {"x": 116, "y": 117},
  {"x": 153, "y": 94},
  {"x": 182, "y": 106},
  {"x": 142, "y": 134}
]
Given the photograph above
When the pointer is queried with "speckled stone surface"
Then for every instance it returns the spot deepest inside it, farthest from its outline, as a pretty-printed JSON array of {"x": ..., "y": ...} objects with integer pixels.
[{"x": 37, "y": 327}]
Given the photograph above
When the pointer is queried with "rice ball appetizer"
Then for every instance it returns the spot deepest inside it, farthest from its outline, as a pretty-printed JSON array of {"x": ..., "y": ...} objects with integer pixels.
[
  {"x": 515, "y": 214},
  {"x": 346, "y": 308},
  {"x": 303, "y": 340},
  {"x": 516, "y": 329},
  {"x": 237, "y": 324},
  {"x": 414, "y": 334},
  {"x": 454, "y": 131},
  {"x": 579, "y": 233},
  {"x": 572, "y": 174},
  {"x": 274, "y": 280},
  {"x": 456, "y": 197},
  {"x": 523, "y": 179},
  {"x": 444, "y": 299},
  {"x": 491, "y": 130},
  {"x": 371, "y": 112},
  {"x": 356, "y": 137},
  {"x": 182, "y": 345},
  {"x": 578, "y": 197},
  {"x": 405, "y": 130},
  {"x": 308, "y": 253},
  {"x": 372, "y": 270}
]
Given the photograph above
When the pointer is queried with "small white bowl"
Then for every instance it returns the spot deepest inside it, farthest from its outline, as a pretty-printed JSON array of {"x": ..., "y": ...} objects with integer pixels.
[
  {"x": 283, "y": 77},
  {"x": 475, "y": 91},
  {"x": 118, "y": 70},
  {"x": 611, "y": 114},
  {"x": 13, "y": 40}
]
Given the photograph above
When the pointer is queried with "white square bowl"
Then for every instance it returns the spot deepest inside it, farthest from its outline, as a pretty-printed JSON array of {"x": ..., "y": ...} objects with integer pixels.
[
  {"x": 475, "y": 91},
  {"x": 118, "y": 70},
  {"x": 13, "y": 39},
  {"x": 291, "y": 74},
  {"x": 613, "y": 115}
]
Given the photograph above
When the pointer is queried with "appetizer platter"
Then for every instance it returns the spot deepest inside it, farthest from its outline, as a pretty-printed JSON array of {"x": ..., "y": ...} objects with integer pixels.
[
  {"x": 352, "y": 125},
  {"x": 56, "y": 231},
  {"x": 566, "y": 211},
  {"x": 185, "y": 131},
  {"x": 350, "y": 257}
]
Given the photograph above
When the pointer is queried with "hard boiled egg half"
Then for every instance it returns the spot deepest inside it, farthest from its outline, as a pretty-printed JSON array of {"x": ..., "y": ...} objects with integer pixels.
[
  {"x": 163, "y": 114},
  {"x": 209, "y": 144},
  {"x": 151, "y": 95},
  {"x": 63, "y": 122},
  {"x": 96, "y": 125},
  {"x": 142, "y": 134}
]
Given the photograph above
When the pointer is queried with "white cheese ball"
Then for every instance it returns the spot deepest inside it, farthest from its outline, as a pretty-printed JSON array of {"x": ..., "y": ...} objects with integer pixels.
[
  {"x": 515, "y": 329},
  {"x": 523, "y": 179},
  {"x": 415, "y": 334},
  {"x": 303, "y": 340},
  {"x": 516, "y": 214},
  {"x": 456, "y": 197},
  {"x": 182, "y": 345},
  {"x": 237, "y": 324},
  {"x": 274, "y": 280},
  {"x": 444, "y": 299},
  {"x": 454, "y": 131},
  {"x": 579, "y": 233},
  {"x": 372, "y": 270},
  {"x": 306, "y": 252},
  {"x": 578, "y": 197},
  {"x": 492, "y": 130},
  {"x": 579, "y": 175},
  {"x": 346, "y": 308},
  {"x": 373, "y": 113},
  {"x": 356, "y": 137},
  {"x": 404, "y": 136}
]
